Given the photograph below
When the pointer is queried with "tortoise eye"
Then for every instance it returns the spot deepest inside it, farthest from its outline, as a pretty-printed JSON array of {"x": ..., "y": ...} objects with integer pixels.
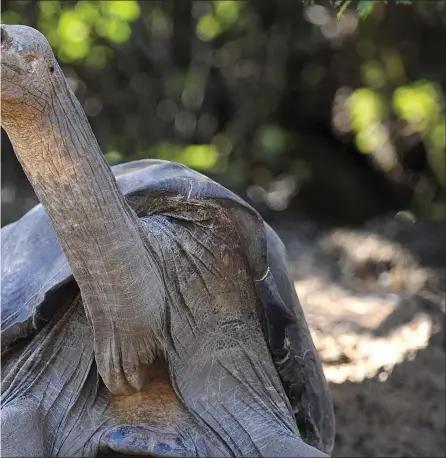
[{"x": 51, "y": 69}]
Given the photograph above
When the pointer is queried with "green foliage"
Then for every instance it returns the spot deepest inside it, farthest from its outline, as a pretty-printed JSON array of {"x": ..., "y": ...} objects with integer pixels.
[
  {"x": 223, "y": 16},
  {"x": 363, "y": 7},
  {"x": 200, "y": 157},
  {"x": 367, "y": 110},
  {"x": 254, "y": 88},
  {"x": 421, "y": 105},
  {"x": 74, "y": 30},
  {"x": 114, "y": 157}
]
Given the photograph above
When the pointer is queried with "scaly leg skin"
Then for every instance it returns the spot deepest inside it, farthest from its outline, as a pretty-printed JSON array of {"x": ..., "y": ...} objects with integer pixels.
[{"x": 219, "y": 362}]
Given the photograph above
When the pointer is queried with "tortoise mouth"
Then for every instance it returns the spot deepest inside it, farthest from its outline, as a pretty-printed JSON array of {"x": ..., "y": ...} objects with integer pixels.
[{"x": 12, "y": 73}]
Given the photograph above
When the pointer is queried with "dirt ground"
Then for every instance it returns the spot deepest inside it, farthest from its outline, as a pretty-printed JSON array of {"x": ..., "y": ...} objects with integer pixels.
[{"x": 375, "y": 303}]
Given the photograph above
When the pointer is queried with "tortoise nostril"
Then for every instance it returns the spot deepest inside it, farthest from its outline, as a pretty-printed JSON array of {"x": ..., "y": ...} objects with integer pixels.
[
  {"x": 4, "y": 36},
  {"x": 6, "y": 40}
]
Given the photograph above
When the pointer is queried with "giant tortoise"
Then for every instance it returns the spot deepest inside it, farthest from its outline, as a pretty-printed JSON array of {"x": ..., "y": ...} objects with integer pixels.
[{"x": 145, "y": 310}]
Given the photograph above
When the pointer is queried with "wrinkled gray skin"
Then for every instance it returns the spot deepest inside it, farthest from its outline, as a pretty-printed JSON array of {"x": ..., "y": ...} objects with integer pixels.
[{"x": 166, "y": 278}]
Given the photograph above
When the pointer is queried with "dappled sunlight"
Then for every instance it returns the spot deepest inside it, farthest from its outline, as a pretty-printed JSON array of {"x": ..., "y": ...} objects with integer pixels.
[
  {"x": 353, "y": 355},
  {"x": 329, "y": 305},
  {"x": 364, "y": 296}
]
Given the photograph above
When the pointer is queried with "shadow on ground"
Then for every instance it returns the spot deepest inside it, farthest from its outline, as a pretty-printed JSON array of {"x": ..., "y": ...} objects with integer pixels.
[
  {"x": 374, "y": 299},
  {"x": 401, "y": 416}
]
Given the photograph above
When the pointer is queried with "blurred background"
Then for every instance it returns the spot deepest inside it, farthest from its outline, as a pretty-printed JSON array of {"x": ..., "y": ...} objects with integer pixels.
[{"x": 329, "y": 118}]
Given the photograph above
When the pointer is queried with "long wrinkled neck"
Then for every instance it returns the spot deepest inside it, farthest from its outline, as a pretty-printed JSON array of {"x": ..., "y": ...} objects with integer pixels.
[
  {"x": 98, "y": 231},
  {"x": 70, "y": 176}
]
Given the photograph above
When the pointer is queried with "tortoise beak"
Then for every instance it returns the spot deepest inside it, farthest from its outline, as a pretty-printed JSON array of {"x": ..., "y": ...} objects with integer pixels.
[
  {"x": 9, "y": 46},
  {"x": 12, "y": 64},
  {"x": 10, "y": 38}
]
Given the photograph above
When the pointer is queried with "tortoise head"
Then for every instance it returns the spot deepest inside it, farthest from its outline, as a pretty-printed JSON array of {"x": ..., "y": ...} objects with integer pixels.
[{"x": 28, "y": 72}]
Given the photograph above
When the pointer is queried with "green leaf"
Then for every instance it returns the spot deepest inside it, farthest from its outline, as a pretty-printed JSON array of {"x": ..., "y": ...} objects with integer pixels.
[
  {"x": 72, "y": 28},
  {"x": 201, "y": 157},
  {"x": 366, "y": 108},
  {"x": 208, "y": 26},
  {"x": 87, "y": 11},
  {"x": 418, "y": 103},
  {"x": 114, "y": 157},
  {"x": 343, "y": 7},
  {"x": 49, "y": 9},
  {"x": 364, "y": 8},
  {"x": 127, "y": 10},
  {"x": 228, "y": 11},
  {"x": 114, "y": 29},
  {"x": 70, "y": 51}
]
